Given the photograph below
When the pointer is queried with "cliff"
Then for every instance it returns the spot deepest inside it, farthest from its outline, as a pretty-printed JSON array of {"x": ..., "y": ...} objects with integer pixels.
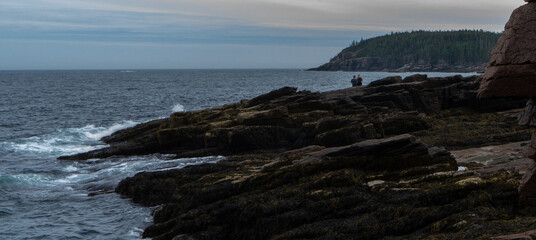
[{"x": 418, "y": 51}]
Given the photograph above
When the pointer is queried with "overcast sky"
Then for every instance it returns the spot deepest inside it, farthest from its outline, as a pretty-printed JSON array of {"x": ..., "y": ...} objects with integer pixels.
[{"x": 206, "y": 34}]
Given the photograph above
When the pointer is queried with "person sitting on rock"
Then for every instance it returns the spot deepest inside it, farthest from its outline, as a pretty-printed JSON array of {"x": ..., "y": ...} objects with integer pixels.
[
  {"x": 354, "y": 82},
  {"x": 359, "y": 80}
]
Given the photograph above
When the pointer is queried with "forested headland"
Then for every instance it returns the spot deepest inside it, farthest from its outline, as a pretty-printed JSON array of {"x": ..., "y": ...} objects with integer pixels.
[{"x": 451, "y": 51}]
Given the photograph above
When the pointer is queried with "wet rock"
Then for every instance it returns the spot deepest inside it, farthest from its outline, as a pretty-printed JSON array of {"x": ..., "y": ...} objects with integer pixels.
[{"x": 494, "y": 158}]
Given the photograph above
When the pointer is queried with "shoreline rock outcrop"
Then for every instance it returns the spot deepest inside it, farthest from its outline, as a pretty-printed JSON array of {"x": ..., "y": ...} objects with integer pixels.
[
  {"x": 333, "y": 165},
  {"x": 395, "y": 188},
  {"x": 287, "y": 119}
]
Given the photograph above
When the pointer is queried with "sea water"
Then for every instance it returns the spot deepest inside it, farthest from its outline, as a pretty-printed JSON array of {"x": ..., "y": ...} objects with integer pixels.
[{"x": 47, "y": 114}]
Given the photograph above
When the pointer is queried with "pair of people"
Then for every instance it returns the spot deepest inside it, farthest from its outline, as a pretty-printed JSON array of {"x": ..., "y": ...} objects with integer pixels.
[{"x": 357, "y": 81}]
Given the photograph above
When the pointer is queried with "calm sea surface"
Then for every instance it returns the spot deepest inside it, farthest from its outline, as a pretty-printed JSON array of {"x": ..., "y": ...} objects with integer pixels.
[{"x": 46, "y": 114}]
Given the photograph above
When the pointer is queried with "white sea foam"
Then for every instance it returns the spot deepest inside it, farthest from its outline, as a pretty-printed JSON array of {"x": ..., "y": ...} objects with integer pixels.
[
  {"x": 70, "y": 169},
  {"x": 68, "y": 141},
  {"x": 180, "y": 163},
  {"x": 50, "y": 147},
  {"x": 97, "y": 133},
  {"x": 135, "y": 232},
  {"x": 178, "y": 108},
  {"x": 62, "y": 181},
  {"x": 34, "y": 179}
]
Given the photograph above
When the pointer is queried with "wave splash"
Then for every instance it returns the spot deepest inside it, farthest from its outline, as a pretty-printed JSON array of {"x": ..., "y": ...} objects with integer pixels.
[
  {"x": 96, "y": 133},
  {"x": 99, "y": 174},
  {"x": 178, "y": 108},
  {"x": 67, "y": 141}
]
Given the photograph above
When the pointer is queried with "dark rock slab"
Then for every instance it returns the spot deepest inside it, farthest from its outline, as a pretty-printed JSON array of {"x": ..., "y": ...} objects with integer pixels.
[
  {"x": 393, "y": 188},
  {"x": 529, "y": 235}
]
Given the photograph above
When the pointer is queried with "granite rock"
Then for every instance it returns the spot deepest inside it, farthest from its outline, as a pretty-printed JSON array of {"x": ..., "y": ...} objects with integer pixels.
[{"x": 512, "y": 67}]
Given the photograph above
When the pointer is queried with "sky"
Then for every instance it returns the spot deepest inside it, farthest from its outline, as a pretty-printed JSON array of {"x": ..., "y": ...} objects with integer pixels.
[{"x": 217, "y": 34}]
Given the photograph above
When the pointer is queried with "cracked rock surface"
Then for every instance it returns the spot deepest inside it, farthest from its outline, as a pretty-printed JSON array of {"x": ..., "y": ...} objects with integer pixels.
[{"x": 512, "y": 66}]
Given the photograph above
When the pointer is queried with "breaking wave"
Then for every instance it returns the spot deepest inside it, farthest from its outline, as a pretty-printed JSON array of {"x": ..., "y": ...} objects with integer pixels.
[{"x": 67, "y": 141}]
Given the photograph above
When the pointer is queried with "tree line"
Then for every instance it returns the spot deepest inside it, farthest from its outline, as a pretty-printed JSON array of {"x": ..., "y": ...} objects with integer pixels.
[{"x": 461, "y": 47}]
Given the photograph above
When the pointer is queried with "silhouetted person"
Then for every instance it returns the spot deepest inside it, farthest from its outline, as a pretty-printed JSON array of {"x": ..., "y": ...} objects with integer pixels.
[
  {"x": 359, "y": 80},
  {"x": 354, "y": 82}
]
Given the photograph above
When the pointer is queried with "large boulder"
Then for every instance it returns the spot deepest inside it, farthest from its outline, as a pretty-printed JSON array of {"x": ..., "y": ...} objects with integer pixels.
[
  {"x": 512, "y": 67},
  {"x": 511, "y": 72}
]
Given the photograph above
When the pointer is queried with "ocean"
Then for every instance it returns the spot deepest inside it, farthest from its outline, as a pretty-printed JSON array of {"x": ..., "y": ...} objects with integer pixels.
[{"x": 47, "y": 114}]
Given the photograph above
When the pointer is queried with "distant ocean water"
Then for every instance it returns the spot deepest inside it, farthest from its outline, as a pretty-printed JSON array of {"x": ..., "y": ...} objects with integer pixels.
[{"x": 46, "y": 114}]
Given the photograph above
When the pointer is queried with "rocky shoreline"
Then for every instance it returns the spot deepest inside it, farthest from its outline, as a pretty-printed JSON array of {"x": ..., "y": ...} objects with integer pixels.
[
  {"x": 289, "y": 119},
  {"x": 350, "y": 62},
  {"x": 365, "y": 162}
]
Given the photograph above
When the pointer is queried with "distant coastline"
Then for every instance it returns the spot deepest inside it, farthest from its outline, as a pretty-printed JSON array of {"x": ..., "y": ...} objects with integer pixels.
[{"x": 417, "y": 51}]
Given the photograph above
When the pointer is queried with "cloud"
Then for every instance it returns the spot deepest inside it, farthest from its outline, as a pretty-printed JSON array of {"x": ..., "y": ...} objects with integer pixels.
[
  {"x": 354, "y": 14},
  {"x": 262, "y": 27},
  {"x": 291, "y": 14}
]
